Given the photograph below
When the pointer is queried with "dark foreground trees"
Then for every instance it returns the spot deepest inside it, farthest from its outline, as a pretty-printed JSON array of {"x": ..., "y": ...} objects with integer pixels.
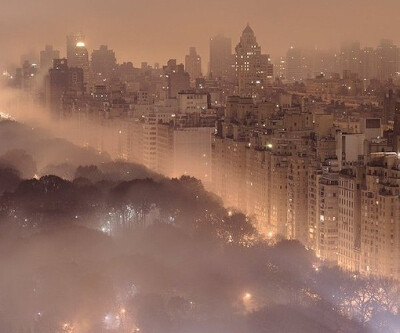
[{"x": 97, "y": 255}]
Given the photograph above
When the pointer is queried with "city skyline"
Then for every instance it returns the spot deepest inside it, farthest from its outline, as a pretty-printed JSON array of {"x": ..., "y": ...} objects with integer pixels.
[
  {"x": 189, "y": 167},
  {"x": 326, "y": 26}
]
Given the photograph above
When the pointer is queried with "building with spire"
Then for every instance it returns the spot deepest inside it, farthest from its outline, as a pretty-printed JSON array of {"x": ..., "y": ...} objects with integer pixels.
[{"x": 254, "y": 70}]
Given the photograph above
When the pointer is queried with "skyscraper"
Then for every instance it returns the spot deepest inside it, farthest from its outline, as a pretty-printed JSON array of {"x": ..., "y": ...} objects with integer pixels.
[
  {"x": 47, "y": 56},
  {"x": 280, "y": 67},
  {"x": 193, "y": 64},
  {"x": 387, "y": 54},
  {"x": 72, "y": 40},
  {"x": 253, "y": 70},
  {"x": 369, "y": 63},
  {"x": 29, "y": 72},
  {"x": 63, "y": 84},
  {"x": 220, "y": 56},
  {"x": 294, "y": 70},
  {"x": 57, "y": 84},
  {"x": 350, "y": 57},
  {"x": 103, "y": 61},
  {"x": 77, "y": 54}
]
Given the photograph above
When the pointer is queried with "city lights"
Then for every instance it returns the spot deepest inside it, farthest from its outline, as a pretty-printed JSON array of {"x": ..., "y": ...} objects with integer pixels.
[
  {"x": 246, "y": 182},
  {"x": 247, "y": 296}
]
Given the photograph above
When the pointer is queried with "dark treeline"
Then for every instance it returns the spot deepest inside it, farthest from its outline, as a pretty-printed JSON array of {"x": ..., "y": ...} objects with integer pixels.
[{"x": 116, "y": 248}]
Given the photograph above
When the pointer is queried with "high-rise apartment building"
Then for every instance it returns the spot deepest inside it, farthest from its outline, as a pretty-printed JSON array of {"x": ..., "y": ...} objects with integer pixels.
[
  {"x": 229, "y": 169},
  {"x": 258, "y": 173},
  {"x": 349, "y": 218},
  {"x": 314, "y": 174},
  {"x": 297, "y": 191},
  {"x": 184, "y": 151},
  {"x": 380, "y": 217},
  {"x": 327, "y": 217},
  {"x": 279, "y": 194}
]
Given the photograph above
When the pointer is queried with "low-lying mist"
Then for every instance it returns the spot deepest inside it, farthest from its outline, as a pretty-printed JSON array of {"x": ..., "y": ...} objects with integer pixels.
[{"x": 88, "y": 244}]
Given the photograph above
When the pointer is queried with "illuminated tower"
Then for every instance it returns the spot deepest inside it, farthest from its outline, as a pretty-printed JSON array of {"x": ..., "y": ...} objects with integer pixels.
[
  {"x": 77, "y": 54},
  {"x": 253, "y": 70},
  {"x": 72, "y": 40}
]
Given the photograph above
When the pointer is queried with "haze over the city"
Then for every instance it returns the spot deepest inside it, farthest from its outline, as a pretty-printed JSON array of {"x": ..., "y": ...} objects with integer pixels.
[
  {"x": 199, "y": 166},
  {"x": 157, "y": 30}
]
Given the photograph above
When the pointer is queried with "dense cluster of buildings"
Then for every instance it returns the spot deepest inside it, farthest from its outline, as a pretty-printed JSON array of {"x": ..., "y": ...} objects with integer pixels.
[
  {"x": 309, "y": 147},
  {"x": 306, "y": 174},
  {"x": 382, "y": 62}
]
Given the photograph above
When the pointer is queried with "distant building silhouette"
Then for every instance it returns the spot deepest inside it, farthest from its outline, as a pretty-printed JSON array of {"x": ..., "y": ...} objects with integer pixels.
[
  {"x": 47, "y": 56},
  {"x": 220, "y": 56},
  {"x": 193, "y": 64}
]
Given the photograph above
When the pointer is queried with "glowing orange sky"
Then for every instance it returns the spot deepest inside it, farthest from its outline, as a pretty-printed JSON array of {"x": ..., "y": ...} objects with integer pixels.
[{"x": 156, "y": 30}]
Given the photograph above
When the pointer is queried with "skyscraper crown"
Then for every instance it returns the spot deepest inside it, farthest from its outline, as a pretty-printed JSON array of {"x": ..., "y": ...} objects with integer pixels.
[{"x": 248, "y": 30}]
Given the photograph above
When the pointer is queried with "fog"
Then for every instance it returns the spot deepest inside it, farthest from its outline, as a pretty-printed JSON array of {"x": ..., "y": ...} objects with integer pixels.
[
  {"x": 89, "y": 244},
  {"x": 153, "y": 30}
]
